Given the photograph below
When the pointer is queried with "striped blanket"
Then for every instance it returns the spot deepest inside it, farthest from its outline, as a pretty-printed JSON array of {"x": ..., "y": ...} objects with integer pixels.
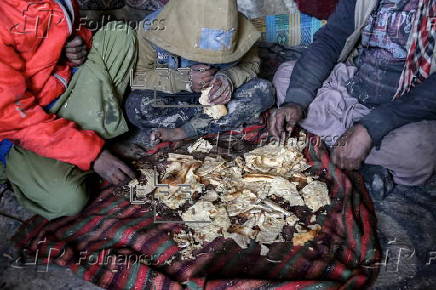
[{"x": 117, "y": 245}]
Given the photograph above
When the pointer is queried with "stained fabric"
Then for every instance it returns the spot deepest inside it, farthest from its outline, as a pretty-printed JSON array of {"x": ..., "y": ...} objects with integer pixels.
[
  {"x": 343, "y": 256},
  {"x": 147, "y": 111},
  {"x": 105, "y": 77},
  {"x": 384, "y": 51}
]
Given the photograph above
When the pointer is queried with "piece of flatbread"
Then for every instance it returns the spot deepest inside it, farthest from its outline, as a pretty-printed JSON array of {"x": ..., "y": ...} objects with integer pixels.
[
  {"x": 316, "y": 195},
  {"x": 214, "y": 111},
  {"x": 201, "y": 145}
]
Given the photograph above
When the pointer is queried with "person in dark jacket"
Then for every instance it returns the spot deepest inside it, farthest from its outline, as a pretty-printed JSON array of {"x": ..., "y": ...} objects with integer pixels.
[{"x": 366, "y": 86}]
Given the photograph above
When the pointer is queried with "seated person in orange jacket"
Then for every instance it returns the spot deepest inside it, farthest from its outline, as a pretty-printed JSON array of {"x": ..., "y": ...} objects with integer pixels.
[{"x": 52, "y": 122}]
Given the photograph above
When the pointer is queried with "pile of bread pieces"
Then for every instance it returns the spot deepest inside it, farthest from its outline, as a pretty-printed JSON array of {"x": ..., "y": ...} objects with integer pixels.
[{"x": 244, "y": 199}]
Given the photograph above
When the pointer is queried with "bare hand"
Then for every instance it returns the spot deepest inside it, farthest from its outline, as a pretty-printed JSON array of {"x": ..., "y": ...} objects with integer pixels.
[
  {"x": 76, "y": 51},
  {"x": 221, "y": 92},
  {"x": 283, "y": 120},
  {"x": 352, "y": 148},
  {"x": 201, "y": 76},
  {"x": 112, "y": 169}
]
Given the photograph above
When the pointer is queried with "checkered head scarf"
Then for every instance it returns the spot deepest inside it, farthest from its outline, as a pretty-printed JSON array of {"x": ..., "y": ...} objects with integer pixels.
[{"x": 422, "y": 44}]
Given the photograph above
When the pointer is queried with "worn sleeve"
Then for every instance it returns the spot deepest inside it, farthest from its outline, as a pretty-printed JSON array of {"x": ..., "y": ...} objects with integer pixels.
[
  {"x": 247, "y": 69},
  {"x": 150, "y": 77},
  {"x": 317, "y": 62},
  {"x": 418, "y": 105},
  {"x": 25, "y": 122},
  {"x": 80, "y": 28}
]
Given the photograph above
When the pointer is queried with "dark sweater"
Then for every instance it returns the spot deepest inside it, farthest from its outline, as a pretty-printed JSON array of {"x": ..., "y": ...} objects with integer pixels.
[{"x": 318, "y": 61}]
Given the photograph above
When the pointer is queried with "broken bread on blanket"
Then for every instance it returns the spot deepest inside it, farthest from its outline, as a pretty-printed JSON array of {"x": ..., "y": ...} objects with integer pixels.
[
  {"x": 316, "y": 195},
  {"x": 143, "y": 189},
  {"x": 254, "y": 198},
  {"x": 179, "y": 181},
  {"x": 201, "y": 145},
  {"x": 216, "y": 112}
]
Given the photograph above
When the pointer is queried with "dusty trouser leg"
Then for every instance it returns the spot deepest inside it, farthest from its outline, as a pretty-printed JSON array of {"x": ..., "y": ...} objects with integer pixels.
[
  {"x": 147, "y": 112},
  {"x": 248, "y": 102},
  {"x": 93, "y": 98},
  {"x": 52, "y": 188},
  {"x": 183, "y": 111},
  {"x": 409, "y": 152},
  {"x": 45, "y": 186}
]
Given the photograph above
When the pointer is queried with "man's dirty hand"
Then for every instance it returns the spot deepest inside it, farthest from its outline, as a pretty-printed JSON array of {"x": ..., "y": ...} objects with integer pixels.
[
  {"x": 112, "y": 169},
  {"x": 76, "y": 51},
  {"x": 201, "y": 76},
  {"x": 222, "y": 90},
  {"x": 284, "y": 119},
  {"x": 352, "y": 148}
]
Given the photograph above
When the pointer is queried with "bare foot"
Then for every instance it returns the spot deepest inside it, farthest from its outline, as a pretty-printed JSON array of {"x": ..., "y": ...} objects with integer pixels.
[{"x": 164, "y": 134}]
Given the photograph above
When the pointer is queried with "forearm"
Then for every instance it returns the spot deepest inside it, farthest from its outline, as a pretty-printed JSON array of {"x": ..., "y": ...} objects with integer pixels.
[
  {"x": 317, "y": 62},
  {"x": 246, "y": 70},
  {"x": 418, "y": 105}
]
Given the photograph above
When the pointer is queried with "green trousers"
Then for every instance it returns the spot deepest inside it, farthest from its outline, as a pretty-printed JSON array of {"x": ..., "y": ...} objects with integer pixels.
[{"x": 93, "y": 98}]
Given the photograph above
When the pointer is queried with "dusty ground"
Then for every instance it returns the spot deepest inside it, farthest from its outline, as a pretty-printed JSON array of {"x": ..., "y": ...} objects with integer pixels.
[{"x": 15, "y": 276}]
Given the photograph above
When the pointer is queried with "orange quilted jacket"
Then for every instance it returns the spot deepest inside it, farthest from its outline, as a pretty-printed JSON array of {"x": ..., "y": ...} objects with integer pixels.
[{"x": 33, "y": 73}]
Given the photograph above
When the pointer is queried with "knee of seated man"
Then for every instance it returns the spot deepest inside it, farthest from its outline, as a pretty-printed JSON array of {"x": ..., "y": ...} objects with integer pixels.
[
  {"x": 267, "y": 94},
  {"x": 120, "y": 29},
  {"x": 137, "y": 106},
  {"x": 259, "y": 92},
  {"x": 69, "y": 199},
  {"x": 421, "y": 164},
  {"x": 412, "y": 149}
]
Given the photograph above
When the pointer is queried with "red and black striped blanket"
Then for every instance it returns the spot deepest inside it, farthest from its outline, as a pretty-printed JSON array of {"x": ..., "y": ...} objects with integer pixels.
[{"x": 116, "y": 245}]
